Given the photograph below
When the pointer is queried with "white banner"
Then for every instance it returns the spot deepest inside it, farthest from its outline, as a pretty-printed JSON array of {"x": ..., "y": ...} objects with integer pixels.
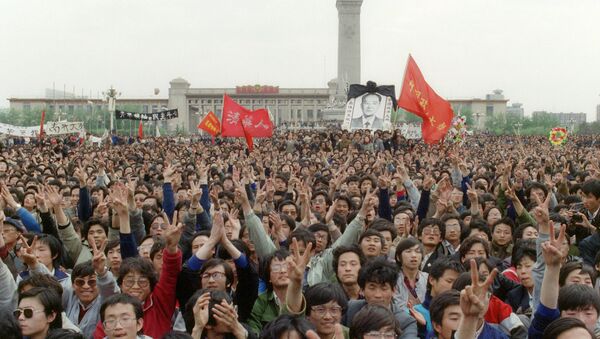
[
  {"x": 50, "y": 128},
  {"x": 410, "y": 131}
]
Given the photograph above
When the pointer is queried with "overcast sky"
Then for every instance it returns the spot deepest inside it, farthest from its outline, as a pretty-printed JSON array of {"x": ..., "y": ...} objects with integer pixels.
[{"x": 542, "y": 53}]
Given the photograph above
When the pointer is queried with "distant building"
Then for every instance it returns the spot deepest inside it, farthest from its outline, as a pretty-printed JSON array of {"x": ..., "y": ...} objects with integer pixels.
[
  {"x": 493, "y": 105},
  {"x": 598, "y": 113},
  {"x": 564, "y": 119},
  {"x": 515, "y": 110}
]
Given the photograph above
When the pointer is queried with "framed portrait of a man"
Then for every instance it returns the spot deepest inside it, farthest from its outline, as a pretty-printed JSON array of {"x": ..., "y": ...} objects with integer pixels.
[{"x": 371, "y": 111}]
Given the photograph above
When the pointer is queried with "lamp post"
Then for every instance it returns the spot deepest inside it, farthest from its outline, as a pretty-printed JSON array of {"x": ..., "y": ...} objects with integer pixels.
[
  {"x": 572, "y": 125},
  {"x": 517, "y": 126},
  {"x": 111, "y": 95},
  {"x": 477, "y": 116}
]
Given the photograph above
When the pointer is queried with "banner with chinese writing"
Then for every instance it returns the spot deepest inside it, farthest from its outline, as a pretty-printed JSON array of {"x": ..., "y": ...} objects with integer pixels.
[
  {"x": 156, "y": 116},
  {"x": 419, "y": 98},
  {"x": 237, "y": 121},
  {"x": 50, "y": 128},
  {"x": 210, "y": 124}
]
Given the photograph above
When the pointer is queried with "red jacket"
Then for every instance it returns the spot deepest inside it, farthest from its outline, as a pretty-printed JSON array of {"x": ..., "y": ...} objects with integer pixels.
[{"x": 160, "y": 304}]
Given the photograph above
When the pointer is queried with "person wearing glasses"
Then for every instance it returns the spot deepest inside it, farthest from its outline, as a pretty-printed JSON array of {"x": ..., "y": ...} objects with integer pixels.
[
  {"x": 137, "y": 276},
  {"x": 374, "y": 322},
  {"x": 39, "y": 312},
  {"x": 121, "y": 317},
  {"x": 220, "y": 273},
  {"x": 92, "y": 283},
  {"x": 273, "y": 271}
]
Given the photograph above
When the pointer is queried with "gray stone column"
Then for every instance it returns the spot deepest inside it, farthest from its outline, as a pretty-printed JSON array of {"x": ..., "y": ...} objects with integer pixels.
[
  {"x": 348, "y": 43},
  {"x": 178, "y": 99}
]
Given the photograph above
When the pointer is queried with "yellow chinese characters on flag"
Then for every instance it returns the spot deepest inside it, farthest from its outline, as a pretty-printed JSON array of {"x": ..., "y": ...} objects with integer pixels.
[
  {"x": 420, "y": 99},
  {"x": 210, "y": 124}
]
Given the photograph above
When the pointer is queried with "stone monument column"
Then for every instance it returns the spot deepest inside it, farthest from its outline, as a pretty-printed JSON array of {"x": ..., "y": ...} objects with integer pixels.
[
  {"x": 178, "y": 99},
  {"x": 348, "y": 43}
]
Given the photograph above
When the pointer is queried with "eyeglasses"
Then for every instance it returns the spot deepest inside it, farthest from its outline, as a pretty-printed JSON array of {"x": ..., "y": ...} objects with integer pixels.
[
  {"x": 433, "y": 231},
  {"x": 142, "y": 282},
  {"x": 157, "y": 226},
  {"x": 80, "y": 282},
  {"x": 28, "y": 312},
  {"x": 321, "y": 310},
  {"x": 112, "y": 323},
  {"x": 213, "y": 275},
  {"x": 276, "y": 268},
  {"x": 380, "y": 335}
]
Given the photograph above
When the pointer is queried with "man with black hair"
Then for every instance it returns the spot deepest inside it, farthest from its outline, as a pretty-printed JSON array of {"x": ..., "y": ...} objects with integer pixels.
[
  {"x": 377, "y": 279},
  {"x": 273, "y": 271},
  {"x": 577, "y": 300},
  {"x": 121, "y": 316},
  {"x": 347, "y": 261},
  {"x": 210, "y": 314},
  {"x": 442, "y": 275},
  {"x": 591, "y": 202}
]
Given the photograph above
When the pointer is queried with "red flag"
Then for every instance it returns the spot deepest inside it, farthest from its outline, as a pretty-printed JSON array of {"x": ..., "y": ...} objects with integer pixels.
[
  {"x": 141, "y": 131},
  {"x": 210, "y": 124},
  {"x": 238, "y": 121},
  {"x": 258, "y": 123},
  {"x": 42, "y": 125},
  {"x": 231, "y": 122},
  {"x": 419, "y": 98}
]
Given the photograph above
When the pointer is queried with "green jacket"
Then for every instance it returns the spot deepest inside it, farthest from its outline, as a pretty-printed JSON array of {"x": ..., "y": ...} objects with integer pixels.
[
  {"x": 264, "y": 310},
  {"x": 321, "y": 265}
]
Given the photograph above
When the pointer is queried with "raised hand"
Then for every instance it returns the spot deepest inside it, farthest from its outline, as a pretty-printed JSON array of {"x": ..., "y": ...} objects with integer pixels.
[
  {"x": 81, "y": 176},
  {"x": 214, "y": 198},
  {"x": 416, "y": 314},
  {"x": 428, "y": 183},
  {"x": 331, "y": 211},
  {"x": 201, "y": 312},
  {"x": 173, "y": 233},
  {"x": 40, "y": 200},
  {"x": 53, "y": 196},
  {"x": 474, "y": 298},
  {"x": 541, "y": 212},
  {"x": 225, "y": 314},
  {"x": 297, "y": 263},
  {"x": 552, "y": 249},
  {"x": 195, "y": 191},
  {"x": 118, "y": 197},
  {"x": 472, "y": 195},
  {"x": 7, "y": 196},
  {"x": 368, "y": 202},
  {"x": 99, "y": 258},
  {"x": 168, "y": 173},
  {"x": 28, "y": 252}
]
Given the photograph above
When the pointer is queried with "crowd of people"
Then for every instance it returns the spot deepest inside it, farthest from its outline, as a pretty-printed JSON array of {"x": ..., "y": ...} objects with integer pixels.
[{"x": 313, "y": 234}]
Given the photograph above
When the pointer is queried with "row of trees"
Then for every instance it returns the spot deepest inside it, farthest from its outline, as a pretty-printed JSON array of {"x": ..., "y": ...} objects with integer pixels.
[{"x": 540, "y": 124}]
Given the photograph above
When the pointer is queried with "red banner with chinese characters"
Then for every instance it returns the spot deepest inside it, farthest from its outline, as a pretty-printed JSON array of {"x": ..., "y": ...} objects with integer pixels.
[
  {"x": 419, "y": 98},
  {"x": 238, "y": 121},
  {"x": 210, "y": 124}
]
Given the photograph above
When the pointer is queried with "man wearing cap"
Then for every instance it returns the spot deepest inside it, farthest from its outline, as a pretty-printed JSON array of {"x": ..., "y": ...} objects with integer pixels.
[
  {"x": 11, "y": 231},
  {"x": 7, "y": 279}
]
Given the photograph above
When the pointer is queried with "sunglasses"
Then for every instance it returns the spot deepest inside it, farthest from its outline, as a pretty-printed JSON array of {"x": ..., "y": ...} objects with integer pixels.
[
  {"x": 82, "y": 282},
  {"x": 27, "y": 312}
]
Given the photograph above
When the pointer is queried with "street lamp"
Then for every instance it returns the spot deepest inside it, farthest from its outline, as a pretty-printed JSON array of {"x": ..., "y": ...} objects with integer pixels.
[
  {"x": 111, "y": 95},
  {"x": 477, "y": 117},
  {"x": 518, "y": 125}
]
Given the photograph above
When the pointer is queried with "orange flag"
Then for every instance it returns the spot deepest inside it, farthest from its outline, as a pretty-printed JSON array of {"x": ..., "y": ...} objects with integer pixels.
[
  {"x": 419, "y": 98},
  {"x": 210, "y": 124}
]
